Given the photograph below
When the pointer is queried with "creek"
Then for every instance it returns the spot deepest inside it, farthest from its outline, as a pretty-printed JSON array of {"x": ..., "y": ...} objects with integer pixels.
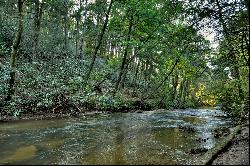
[{"x": 151, "y": 137}]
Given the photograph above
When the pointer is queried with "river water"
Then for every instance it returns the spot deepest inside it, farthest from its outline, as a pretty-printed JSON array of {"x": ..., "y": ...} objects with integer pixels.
[{"x": 152, "y": 137}]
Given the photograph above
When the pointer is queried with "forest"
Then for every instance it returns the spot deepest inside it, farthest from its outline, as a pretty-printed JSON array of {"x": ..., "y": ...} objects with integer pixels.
[{"x": 72, "y": 56}]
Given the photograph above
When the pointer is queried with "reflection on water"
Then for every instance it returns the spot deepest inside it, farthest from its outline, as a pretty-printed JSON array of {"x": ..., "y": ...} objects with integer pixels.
[
  {"x": 20, "y": 154},
  {"x": 152, "y": 137}
]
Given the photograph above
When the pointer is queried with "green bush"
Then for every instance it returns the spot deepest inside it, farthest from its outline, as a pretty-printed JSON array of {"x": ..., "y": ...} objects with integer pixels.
[{"x": 233, "y": 104}]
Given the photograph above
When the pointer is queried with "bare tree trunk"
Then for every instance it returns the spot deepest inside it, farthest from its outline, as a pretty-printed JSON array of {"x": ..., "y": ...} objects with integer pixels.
[
  {"x": 135, "y": 77},
  {"x": 172, "y": 69},
  {"x": 37, "y": 26},
  {"x": 140, "y": 76},
  {"x": 78, "y": 18},
  {"x": 77, "y": 35},
  {"x": 186, "y": 89},
  {"x": 82, "y": 40},
  {"x": 66, "y": 37},
  {"x": 124, "y": 76},
  {"x": 15, "y": 47},
  {"x": 180, "y": 94},
  {"x": 124, "y": 60},
  {"x": 247, "y": 43},
  {"x": 81, "y": 48},
  {"x": 175, "y": 84},
  {"x": 99, "y": 41},
  {"x": 146, "y": 75}
]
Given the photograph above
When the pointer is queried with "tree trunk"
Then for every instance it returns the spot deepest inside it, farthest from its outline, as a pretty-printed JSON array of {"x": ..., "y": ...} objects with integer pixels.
[
  {"x": 146, "y": 76},
  {"x": 37, "y": 26},
  {"x": 66, "y": 37},
  {"x": 78, "y": 18},
  {"x": 99, "y": 41},
  {"x": 175, "y": 84},
  {"x": 232, "y": 52},
  {"x": 77, "y": 35},
  {"x": 135, "y": 77},
  {"x": 172, "y": 69},
  {"x": 181, "y": 91},
  {"x": 185, "y": 91},
  {"x": 15, "y": 47},
  {"x": 82, "y": 45},
  {"x": 237, "y": 76},
  {"x": 124, "y": 60}
]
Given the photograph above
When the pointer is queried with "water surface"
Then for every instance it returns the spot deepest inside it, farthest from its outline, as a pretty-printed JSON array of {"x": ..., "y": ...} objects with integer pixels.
[{"x": 151, "y": 137}]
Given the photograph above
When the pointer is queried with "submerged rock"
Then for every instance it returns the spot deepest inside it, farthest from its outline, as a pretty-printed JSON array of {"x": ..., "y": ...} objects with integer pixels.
[
  {"x": 187, "y": 128},
  {"x": 198, "y": 150},
  {"x": 202, "y": 139},
  {"x": 139, "y": 111},
  {"x": 221, "y": 132}
]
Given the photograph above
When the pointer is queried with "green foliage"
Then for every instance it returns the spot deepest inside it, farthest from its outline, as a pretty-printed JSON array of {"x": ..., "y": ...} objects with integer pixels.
[
  {"x": 108, "y": 102},
  {"x": 232, "y": 103},
  {"x": 4, "y": 75},
  {"x": 166, "y": 57},
  {"x": 38, "y": 83},
  {"x": 190, "y": 104},
  {"x": 6, "y": 34},
  {"x": 4, "y": 50}
]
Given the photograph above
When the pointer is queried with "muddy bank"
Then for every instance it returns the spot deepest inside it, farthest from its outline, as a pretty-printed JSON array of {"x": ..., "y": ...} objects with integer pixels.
[{"x": 238, "y": 152}]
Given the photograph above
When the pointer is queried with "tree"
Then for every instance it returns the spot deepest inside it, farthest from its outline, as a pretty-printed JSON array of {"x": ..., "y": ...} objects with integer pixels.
[
  {"x": 99, "y": 41},
  {"x": 124, "y": 59},
  {"x": 15, "y": 47},
  {"x": 230, "y": 20},
  {"x": 37, "y": 25}
]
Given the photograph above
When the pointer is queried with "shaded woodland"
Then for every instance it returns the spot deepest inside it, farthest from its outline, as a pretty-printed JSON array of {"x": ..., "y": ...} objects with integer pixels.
[{"x": 120, "y": 55}]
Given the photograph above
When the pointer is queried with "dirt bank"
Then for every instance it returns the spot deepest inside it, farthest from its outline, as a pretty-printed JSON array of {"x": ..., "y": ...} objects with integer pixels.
[{"x": 238, "y": 152}]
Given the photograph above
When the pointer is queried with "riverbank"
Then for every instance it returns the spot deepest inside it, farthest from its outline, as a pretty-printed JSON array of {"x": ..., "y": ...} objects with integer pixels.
[
  {"x": 238, "y": 152},
  {"x": 70, "y": 109}
]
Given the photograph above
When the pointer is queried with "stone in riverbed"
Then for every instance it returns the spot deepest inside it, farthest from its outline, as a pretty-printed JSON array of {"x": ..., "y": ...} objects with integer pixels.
[
  {"x": 198, "y": 150},
  {"x": 187, "y": 128}
]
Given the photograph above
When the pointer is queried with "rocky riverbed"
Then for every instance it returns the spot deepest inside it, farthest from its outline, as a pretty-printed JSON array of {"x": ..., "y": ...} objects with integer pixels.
[{"x": 238, "y": 151}]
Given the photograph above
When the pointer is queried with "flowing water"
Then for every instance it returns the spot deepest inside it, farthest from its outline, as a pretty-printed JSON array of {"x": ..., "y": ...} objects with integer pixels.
[{"x": 152, "y": 137}]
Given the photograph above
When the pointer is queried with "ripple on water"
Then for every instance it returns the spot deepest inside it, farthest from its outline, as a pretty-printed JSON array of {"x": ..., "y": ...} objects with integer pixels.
[{"x": 152, "y": 137}]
